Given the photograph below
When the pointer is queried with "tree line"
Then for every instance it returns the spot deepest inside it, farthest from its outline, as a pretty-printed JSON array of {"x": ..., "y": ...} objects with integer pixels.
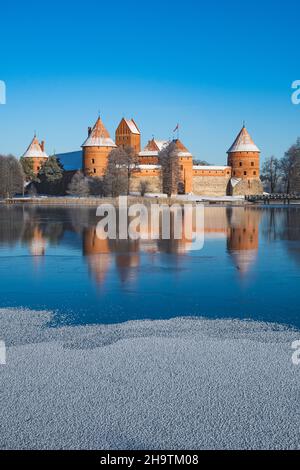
[
  {"x": 282, "y": 174},
  {"x": 16, "y": 176}
]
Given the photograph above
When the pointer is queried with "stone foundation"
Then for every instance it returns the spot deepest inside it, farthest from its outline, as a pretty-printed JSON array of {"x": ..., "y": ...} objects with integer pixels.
[
  {"x": 154, "y": 184},
  {"x": 210, "y": 185},
  {"x": 246, "y": 187}
]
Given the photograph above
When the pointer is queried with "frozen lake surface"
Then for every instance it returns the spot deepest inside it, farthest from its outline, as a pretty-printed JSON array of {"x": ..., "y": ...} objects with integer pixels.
[
  {"x": 170, "y": 384},
  {"x": 249, "y": 267},
  {"x": 144, "y": 345}
]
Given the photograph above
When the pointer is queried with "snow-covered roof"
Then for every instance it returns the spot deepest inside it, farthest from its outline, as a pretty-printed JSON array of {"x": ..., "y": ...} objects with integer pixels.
[
  {"x": 184, "y": 154},
  {"x": 153, "y": 147},
  {"x": 243, "y": 143},
  {"x": 99, "y": 137},
  {"x": 148, "y": 153},
  {"x": 161, "y": 143},
  {"x": 149, "y": 167},
  {"x": 35, "y": 150},
  {"x": 132, "y": 126},
  {"x": 210, "y": 167}
]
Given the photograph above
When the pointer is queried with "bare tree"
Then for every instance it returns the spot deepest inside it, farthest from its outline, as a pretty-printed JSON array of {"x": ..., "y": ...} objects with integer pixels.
[
  {"x": 122, "y": 164},
  {"x": 79, "y": 185},
  {"x": 130, "y": 160},
  {"x": 96, "y": 186},
  {"x": 144, "y": 187},
  {"x": 169, "y": 161},
  {"x": 289, "y": 165},
  {"x": 271, "y": 172},
  {"x": 11, "y": 176}
]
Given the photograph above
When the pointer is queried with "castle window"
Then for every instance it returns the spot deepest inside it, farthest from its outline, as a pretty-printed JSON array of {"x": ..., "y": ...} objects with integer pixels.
[
  {"x": 254, "y": 172},
  {"x": 241, "y": 163},
  {"x": 252, "y": 163},
  {"x": 245, "y": 173},
  {"x": 93, "y": 160},
  {"x": 94, "y": 170}
]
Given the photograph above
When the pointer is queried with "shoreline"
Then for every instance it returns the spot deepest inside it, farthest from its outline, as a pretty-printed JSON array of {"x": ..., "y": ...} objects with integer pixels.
[
  {"x": 177, "y": 384},
  {"x": 71, "y": 201},
  {"x": 96, "y": 201}
]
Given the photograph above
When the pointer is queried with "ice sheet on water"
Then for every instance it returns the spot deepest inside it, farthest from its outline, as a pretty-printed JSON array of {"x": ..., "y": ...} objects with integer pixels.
[{"x": 180, "y": 383}]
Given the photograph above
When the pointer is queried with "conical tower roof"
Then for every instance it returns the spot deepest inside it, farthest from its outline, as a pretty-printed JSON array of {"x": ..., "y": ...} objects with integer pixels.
[
  {"x": 35, "y": 150},
  {"x": 99, "y": 136},
  {"x": 243, "y": 143}
]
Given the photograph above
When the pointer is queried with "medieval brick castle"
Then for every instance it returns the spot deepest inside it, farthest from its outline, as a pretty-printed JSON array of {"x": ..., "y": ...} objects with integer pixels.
[{"x": 241, "y": 175}]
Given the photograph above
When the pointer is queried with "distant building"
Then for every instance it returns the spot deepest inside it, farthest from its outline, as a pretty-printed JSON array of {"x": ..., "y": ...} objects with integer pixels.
[{"x": 36, "y": 151}]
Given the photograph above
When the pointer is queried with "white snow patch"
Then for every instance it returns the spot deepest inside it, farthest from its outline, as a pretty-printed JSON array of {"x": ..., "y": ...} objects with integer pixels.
[{"x": 173, "y": 384}]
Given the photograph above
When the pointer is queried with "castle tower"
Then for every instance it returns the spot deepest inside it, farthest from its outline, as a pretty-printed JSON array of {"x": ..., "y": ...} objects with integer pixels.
[
  {"x": 186, "y": 167},
  {"x": 95, "y": 150},
  {"x": 128, "y": 135},
  {"x": 36, "y": 152},
  {"x": 244, "y": 157}
]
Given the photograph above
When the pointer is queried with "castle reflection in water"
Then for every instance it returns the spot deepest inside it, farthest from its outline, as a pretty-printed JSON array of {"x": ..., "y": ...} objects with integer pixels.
[{"x": 40, "y": 228}]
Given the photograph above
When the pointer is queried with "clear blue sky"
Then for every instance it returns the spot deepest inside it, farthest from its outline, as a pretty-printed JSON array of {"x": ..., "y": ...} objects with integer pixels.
[{"x": 206, "y": 65}]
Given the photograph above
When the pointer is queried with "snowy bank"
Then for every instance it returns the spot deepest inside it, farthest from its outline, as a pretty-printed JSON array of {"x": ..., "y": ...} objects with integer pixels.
[{"x": 181, "y": 383}]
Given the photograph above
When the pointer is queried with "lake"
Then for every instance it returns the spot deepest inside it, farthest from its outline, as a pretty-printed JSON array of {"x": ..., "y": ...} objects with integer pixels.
[{"x": 249, "y": 267}]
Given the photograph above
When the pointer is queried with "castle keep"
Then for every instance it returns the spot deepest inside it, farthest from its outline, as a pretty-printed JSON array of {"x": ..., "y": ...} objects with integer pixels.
[{"x": 241, "y": 175}]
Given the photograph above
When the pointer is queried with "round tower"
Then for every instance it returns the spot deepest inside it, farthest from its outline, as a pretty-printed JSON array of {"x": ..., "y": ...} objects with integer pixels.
[
  {"x": 244, "y": 160},
  {"x": 243, "y": 157},
  {"x": 95, "y": 150}
]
